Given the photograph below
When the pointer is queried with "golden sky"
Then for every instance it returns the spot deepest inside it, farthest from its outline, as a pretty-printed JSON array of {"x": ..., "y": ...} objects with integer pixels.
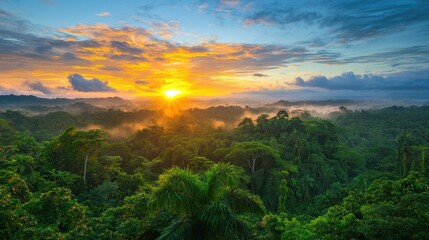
[
  {"x": 279, "y": 49},
  {"x": 130, "y": 61}
]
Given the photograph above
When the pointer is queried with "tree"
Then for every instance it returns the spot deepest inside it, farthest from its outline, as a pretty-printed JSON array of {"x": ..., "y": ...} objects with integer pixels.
[
  {"x": 15, "y": 185},
  {"x": 246, "y": 125},
  {"x": 282, "y": 114},
  {"x": 70, "y": 149},
  {"x": 199, "y": 164},
  {"x": 258, "y": 158},
  {"x": 206, "y": 207},
  {"x": 21, "y": 163},
  {"x": 89, "y": 143},
  {"x": 386, "y": 209},
  {"x": 51, "y": 213},
  {"x": 254, "y": 154},
  {"x": 351, "y": 161},
  {"x": 9, "y": 221}
]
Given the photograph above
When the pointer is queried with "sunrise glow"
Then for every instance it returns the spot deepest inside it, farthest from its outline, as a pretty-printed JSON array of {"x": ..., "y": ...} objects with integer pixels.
[
  {"x": 213, "y": 49},
  {"x": 172, "y": 93}
]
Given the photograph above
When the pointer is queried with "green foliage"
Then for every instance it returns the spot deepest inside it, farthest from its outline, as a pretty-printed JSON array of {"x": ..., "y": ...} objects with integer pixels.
[
  {"x": 73, "y": 149},
  {"x": 56, "y": 208},
  {"x": 360, "y": 175},
  {"x": 204, "y": 207},
  {"x": 9, "y": 221},
  {"x": 385, "y": 210},
  {"x": 15, "y": 185}
]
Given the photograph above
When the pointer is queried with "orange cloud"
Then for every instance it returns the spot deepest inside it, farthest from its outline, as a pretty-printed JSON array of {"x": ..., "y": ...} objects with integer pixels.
[{"x": 120, "y": 56}]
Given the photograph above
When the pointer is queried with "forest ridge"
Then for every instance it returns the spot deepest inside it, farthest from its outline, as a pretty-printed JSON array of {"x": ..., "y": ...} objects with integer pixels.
[{"x": 359, "y": 174}]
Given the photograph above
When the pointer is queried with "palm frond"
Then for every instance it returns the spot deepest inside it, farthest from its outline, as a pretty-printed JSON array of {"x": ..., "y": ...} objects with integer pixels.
[
  {"x": 179, "y": 229},
  {"x": 179, "y": 192},
  {"x": 242, "y": 201},
  {"x": 221, "y": 177},
  {"x": 218, "y": 218}
]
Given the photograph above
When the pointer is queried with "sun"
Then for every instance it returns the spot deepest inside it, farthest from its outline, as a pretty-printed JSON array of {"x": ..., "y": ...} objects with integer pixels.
[{"x": 171, "y": 93}]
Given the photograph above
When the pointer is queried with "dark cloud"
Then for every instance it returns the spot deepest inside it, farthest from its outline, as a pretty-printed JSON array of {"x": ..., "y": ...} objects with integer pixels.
[
  {"x": 356, "y": 20},
  {"x": 282, "y": 15},
  {"x": 71, "y": 58},
  {"x": 65, "y": 52},
  {"x": 197, "y": 49},
  {"x": 141, "y": 82},
  {"x": 399, "y": 58},
  {"x": 24, "y": 45},
  {"x": 348, "y": 20},
  {"x": 38, "y": 86},
  {"x": 43, "y": 49},
  {"x": 249, "y": 59},
  {"x": 81, "y": 84},
  {"x": 88, "y": 44},
  {"x": 127, "y": 57},
  {"x": 413, "y": 55},
  {"x": 125, "y": 47},
  {"x": 260, "y": 75},
  {"x": 409, "y": 80},
  {"x": 20, "y": 38},
  {"x": 111, "y": 68}
]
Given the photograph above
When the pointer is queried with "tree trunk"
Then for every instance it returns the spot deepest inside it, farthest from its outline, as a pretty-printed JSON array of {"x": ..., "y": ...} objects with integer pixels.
[
  {"x": 253, "y": 165},
  {"x": 84, "y": 167}
]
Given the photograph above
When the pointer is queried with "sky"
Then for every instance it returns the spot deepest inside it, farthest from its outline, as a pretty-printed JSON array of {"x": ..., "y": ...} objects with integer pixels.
[{"x": 307, "y": 49}]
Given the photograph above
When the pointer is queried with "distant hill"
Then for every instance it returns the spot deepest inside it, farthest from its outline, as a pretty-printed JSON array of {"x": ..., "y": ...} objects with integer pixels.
[
  {"x": 284, "y": 103},
  {"x": 24, "y": 100}
]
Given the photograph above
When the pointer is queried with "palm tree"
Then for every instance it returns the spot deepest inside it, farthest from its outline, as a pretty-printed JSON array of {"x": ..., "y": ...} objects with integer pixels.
[{"x": 206, "y": 207}]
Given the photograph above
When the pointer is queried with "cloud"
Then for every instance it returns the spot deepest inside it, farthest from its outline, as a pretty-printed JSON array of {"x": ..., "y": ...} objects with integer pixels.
[
  {"x": 111, "y": 68},
  {"x": 103, "y": 14},
  {"x": 407, "y": 80},
  {"x": 224, "y": 9},
  {"x": 119, "y": 55},
  {"x": 32, "y": 45},
  {"x": 202, "y": 6},
  {"x": 81, "y": 84},
  {"x": 347, "y": 20},
  {"x": 141, "y": 82},
  {"x": 146, "y": 10},
  {"x": 281, "y": 15},
  {"x": 400, "y": 58},
  {"x": 125, "y": 47},
  {"x": 260, "y": 75},
  {"x": 127, "y": 57},
  {"x": 38, "y": 86},
  {"x": 164, "y": 29},
  {"x": 197, "y": 66},
  {"x": 271, "y": 95},
  {"x": 412, "y": 55},
  {"x": 230, "y": 2},
  {"x": 357, "y": 20}
]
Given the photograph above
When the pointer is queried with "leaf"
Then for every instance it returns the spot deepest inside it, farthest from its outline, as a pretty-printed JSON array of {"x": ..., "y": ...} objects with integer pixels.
[
  {"x": 179, "y": 229},
  {"x": 179, "y": 192},
  {"x": 242, "y": 201},
  {"x": 221, "y": 177}
]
